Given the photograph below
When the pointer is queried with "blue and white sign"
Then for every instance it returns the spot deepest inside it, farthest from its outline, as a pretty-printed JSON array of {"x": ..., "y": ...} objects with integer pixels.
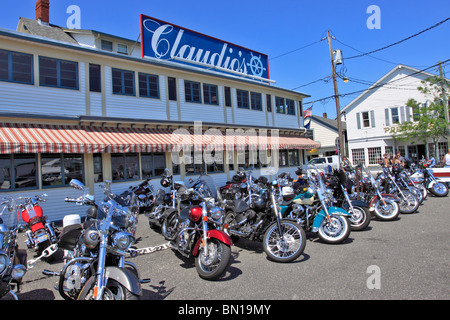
[{"x": 165, "y": 41}]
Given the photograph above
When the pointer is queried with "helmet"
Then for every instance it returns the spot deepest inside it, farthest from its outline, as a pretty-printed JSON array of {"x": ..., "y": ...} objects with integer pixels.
[
  {"x": 165, "y": 182},
  {"x": 259, "y": 203},
  {"x": 239, "y": 176}
]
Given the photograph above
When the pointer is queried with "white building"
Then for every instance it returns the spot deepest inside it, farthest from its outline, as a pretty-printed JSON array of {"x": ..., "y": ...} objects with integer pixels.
[
  {"x": 376, "y": 113},
  {"x": 88, "y": 105},
  {"x": 325, "y": 132}
]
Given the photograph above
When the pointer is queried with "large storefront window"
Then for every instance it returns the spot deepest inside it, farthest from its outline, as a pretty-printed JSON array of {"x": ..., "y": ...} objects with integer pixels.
[
  {"x": 124, "y": 166},
  {"x": 358, "y": 156},
  {"x": 374, "y": 155},
  {"x": 153, "y": 164},
  {"x": 288, "y": 158},
  {"x": 18, "y": 172},
  {"x": 59, "y": 169}
]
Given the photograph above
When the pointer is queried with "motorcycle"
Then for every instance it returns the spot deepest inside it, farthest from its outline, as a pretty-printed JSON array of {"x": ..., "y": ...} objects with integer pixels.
[
  {"x": 12, "y": 259},
  {"x": 41, "y": 234},
  {"x": 198, "y": 230},
  {"x": 383, "y": 206},
  {"x": 312, "y": 210},
  {"x": 95, "y": 267},
  {"x": 358, "y": 209},
  {"x": 408, "y": 201},
  {"x": 236, "y": 188},
  {"x": 404, "y": 182},
  {"x": 424, "y": 175},
  {"x": 260, "y": 219}
]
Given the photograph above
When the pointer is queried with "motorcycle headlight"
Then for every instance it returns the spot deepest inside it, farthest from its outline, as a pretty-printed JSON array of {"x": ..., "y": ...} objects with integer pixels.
[
  {"x": 3, "y": 262},
  {"x": 217, "y": 213},
  {"x": 122, "y": 240}
]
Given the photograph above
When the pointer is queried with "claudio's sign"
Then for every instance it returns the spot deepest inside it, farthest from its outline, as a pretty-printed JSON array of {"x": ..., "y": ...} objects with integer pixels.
[{"x": 165, "y": 41}]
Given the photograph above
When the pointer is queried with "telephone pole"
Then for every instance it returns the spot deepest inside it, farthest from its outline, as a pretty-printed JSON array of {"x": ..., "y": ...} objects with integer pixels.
[
  {"x": 444, "y": 98},
  {"x": 341, "y": 147}
]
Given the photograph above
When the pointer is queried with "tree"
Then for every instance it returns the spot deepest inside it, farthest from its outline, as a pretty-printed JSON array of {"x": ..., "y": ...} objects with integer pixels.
[{"x": 428, "y": 120}]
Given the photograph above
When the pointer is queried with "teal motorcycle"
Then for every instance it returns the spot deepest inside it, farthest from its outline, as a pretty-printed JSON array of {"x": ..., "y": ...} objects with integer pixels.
[{"x": 312, "y": 209}]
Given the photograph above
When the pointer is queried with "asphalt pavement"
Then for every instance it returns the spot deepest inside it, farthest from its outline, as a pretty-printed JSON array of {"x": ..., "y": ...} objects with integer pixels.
[{"x": 406, "y": 259}]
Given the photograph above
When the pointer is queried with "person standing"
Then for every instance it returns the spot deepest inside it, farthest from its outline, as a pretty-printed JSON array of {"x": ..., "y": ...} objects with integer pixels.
[{"x": 446, "y": 160}]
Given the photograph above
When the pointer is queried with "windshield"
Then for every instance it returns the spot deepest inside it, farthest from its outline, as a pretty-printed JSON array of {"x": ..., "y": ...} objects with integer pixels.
[
  {"x": 204, "y": 184},
  {"x": 9, "y": 212}
]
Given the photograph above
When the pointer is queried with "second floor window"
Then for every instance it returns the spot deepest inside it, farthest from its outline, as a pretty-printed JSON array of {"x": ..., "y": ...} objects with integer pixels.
[
  {"x": 148, "y": 85},
  {"x": 210, "y": 94},
  {"x": 16, "y": 67},
  {"x": 242, "y": 99},
  {"x": 123, "y": 82},
  {"x": 58, "y": 73},
  {"x": 256, "y": 101},
  {"x": 192, "y": 91}
]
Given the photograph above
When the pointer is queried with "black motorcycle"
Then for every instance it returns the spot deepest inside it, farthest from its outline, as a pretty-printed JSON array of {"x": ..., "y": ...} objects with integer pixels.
[
  {"x": 12, "y": 259},
  {"x": 95, "y": 267}
]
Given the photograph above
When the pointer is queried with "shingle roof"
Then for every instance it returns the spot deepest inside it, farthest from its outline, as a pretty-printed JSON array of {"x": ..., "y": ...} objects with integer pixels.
[{"x": 51, "y": 31}]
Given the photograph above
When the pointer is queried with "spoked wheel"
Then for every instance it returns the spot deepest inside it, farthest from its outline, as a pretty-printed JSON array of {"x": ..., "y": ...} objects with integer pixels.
[
  {"x": 439, "y": 189},
  {"x": 336, "y": 231},
  {"x": 213, "y": 265},
  {"x": 409, "y": 203},
  {"x": 386, "y": 210},
  {"x": 113, "y": 291},
  {"x": 169, "y": 226},
  {"x": 289, "y": 246},
  {"x": 360, "y": 218}
]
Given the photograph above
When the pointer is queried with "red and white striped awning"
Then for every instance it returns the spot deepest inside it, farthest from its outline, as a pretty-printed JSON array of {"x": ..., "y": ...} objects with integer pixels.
[{"x": 44, "y": 138}]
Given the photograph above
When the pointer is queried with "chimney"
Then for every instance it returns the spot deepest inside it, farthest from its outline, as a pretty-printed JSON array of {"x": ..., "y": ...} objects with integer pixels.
[
  {"x": 324, "y": 114},
  {"x": 42, "y": 11}
]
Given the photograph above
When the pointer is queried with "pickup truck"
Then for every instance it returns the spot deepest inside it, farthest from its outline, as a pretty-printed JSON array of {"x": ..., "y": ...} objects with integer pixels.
[{"x": 324, "y": 162}]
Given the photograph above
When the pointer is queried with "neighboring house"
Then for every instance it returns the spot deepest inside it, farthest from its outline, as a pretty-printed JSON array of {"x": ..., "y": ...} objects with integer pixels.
[
  {"x": 326, "y": 133},
  {"x": 376, "y": 113},
  {"x": 85, "y": 104}
]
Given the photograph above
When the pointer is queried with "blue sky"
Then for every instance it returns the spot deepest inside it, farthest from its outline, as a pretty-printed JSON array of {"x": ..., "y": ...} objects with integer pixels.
[{"x": 277, "y": 28}]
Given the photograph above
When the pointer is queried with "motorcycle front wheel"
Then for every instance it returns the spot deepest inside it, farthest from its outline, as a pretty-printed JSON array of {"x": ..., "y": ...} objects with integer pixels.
[
  {"x": 408, "y": 204},
  {"x": 387, "y": 210},
  {"x": 113, "y": 291},
  {"x": 285, "y": 248},
  {"x": 360, "y": 218},
  {"x": 439, "y": 189},
  {"x": 213, "y": 265},
  {"x": 336, "y": 231}
]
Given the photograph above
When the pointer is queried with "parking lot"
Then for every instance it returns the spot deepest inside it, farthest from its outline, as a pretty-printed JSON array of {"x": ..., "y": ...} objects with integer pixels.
[{"x": 403, "y": 259}]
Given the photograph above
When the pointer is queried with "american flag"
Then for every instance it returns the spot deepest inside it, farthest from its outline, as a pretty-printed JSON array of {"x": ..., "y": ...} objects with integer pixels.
[{"x": 307, "y": 113}]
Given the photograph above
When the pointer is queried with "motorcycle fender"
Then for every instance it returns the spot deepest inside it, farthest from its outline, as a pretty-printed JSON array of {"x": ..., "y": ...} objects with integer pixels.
[
  {"x": 356, "y": 203},
  {"x": 321, "y": 215},
  {"x": 217, "y": 234},
  {"x": 168, "y": 212},
  {"x": 126, "y": 278}
]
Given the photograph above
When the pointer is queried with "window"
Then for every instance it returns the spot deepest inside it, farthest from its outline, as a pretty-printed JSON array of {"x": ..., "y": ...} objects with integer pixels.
[
  {"x": 59, "y": 169},
  {"x": 215, "y": 165},
  {"x": 242, "y": 99},
  {"x": 210, "y": 94},
  {"x": 153, "y": 164},
  {"x": 227, "y": 96},
  {"x": 195, "y": 163},
  {"x": 122, "y": 48},
  {"x": 279, "y": 105},
  {"x": 283, "y": 160},
  {"x": 172, "y": 84},
  {"x": 290, "y": 106},
  {"x": 98, "y": 167},
  {"x": 291, "y": 157},
  {"x": 294, "y": 157},
  {"x": 269, "y": 103},
  {"x": 124, "y": 166},
  {"x": 148, "y": 85},
  {"x": 256, "y": 101},
  {"x": 58, "y": 73},
  {"x": 374, "y": 155},
  {"x": 395, "y": 116},
  {"x": 389, "y": 150},
  {"x": 192, "y": 91},
  {"x": 18, "y": 171},
  {"x": 365, "y": 119},
  {"x": 358, "y": 156},
  {"x": 106, "y": 45},
  {"x": 95, "y": 78},
  {"x": 16, "y": 67},
  {"x": 416, "y": 113},
  {"x": 123, "y": 82}
]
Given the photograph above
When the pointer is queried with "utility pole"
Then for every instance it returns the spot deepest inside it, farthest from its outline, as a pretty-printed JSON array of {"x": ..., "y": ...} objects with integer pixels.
[
  {"x": 444, "y": 98},
  {"x": 341, "y": 148}
]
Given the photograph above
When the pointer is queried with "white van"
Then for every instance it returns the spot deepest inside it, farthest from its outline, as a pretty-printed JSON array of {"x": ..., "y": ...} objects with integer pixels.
[{"x": 324, "y": 162}]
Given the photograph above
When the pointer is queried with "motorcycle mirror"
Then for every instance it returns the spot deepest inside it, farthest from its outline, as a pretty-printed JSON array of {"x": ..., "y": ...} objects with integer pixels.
[{"x": 74, "y": 183}]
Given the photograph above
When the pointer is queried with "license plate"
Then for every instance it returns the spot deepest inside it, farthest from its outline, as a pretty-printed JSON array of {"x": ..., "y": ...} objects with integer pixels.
[{"x": 41, "y": 238}]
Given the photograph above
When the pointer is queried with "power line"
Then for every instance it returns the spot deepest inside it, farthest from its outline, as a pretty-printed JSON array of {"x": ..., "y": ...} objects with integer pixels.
[
  {"x": 295, "y": 50},
  {"x": 377, "y": 86},
  {"x": 403, "y": 40}
]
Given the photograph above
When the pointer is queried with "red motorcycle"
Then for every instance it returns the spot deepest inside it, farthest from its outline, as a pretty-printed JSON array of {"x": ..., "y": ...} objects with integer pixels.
[{"x": 41, "y": 234}]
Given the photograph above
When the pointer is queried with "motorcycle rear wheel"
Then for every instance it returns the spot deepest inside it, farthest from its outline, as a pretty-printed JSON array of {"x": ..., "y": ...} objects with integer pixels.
[
  {"x": 213, "y": 266},
  {"x": 287, "y": 248}
]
